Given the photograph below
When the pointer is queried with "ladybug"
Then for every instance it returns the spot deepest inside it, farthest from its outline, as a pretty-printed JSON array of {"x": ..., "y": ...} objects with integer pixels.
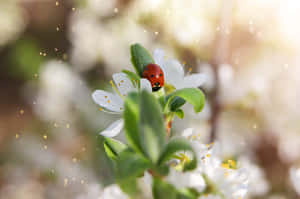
[{"x": 155, "y": 75}]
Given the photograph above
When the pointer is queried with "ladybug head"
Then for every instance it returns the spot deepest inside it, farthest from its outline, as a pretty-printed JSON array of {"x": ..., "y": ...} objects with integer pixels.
[{"x": 155, "y": 75}]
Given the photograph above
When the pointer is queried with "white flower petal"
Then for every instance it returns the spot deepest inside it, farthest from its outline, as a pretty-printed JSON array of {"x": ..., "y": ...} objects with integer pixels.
[
  {"x": 193, "y": 179},
  {"x": 173, "y": 72},
  {"x": 123, "y": 83},
  {"x": 159, "y": 57},
  {"x": 113, "y": 192},
  {"x": 114, "y": 129},
  {"x": 145, "y": 84},
  {"x": 194, "y": 80},
  {"x": 108, "y": 100},
  {"x": 187, "y": 132}
]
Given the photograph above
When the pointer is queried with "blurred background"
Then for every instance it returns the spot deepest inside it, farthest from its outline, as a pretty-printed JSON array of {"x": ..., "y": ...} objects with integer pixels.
[{"x": 54, "y": 53}]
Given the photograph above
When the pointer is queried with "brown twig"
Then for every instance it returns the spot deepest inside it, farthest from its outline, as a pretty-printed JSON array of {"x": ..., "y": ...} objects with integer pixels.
[{"x": 220, "y": 57}]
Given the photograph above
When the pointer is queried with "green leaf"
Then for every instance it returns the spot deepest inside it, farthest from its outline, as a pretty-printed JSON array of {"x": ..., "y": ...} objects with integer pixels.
[
  {"x": 135, "y": 79},
  {"x": 130, "y": 166},
  {"x": 163, "y": 190},
  {"x": 131, "y": 121},
  {"x": 113, "y": 147},
  {"x": 129, "y": 186},
  {"x": 176, "y": 103},
  {"x": 192, "y": 95},
  {"x": 140, "y": 58},
  {"x": 188, "y": 193},
  {"x": 178, "y": 145},
  {"x": 179, "y": 113},
  {"x": 152, "y": 130}
]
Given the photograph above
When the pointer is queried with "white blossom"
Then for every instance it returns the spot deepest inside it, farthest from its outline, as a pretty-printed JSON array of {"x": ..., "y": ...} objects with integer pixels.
[
  {"x": 192, "y": 179},
  {"x": 225, "y": 177},
  {"x": 174, "y": 72},
  {"x": 114, "y": 102}
]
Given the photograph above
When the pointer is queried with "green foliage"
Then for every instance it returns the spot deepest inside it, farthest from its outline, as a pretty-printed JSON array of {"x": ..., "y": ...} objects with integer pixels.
[
  {"x": 152, "y": 131},
  {"x": 187, "y": 193},
  {"x": 131, "y": 118},
  {"x": 192, "y": 95},
  {"x": 178, "y": 145},
  {"x": 113, "y": 147},
  {"x": 163, "y": 190},
  {"x": 130, "y": 166},
  {"x": 140, "y": 58},
  {"x": 145, "y": 115},
  {"x": 179, "y": 113},
  {"x": 176, "y": 103}
]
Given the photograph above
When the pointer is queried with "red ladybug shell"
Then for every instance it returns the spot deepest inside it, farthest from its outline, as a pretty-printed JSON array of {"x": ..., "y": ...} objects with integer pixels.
[{"x": 155, "y": 75}]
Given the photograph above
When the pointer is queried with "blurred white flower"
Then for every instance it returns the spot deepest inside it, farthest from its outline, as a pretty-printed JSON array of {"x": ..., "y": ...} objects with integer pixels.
[
  {"x": 57, "y": 85},
  {"x": 12, "y": 21},
  {"x": 192, "y": 179},
  {"x": 174, "y": 72},
  {"x": 295, "y": 178},
  {"x": 93, "y": 191},
  {"x": 210, "y": 196},
  {"x": 114, "y": 102},
  {"x": 113, "y": 192},
  {"x": 258, "y": 185},
  {"x": 105, "y": 40},
  {"x": 225, "y": 177}
]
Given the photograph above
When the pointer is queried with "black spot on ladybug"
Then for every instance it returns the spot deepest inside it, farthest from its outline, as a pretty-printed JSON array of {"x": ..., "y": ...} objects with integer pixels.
[
  {"x": 155, "y": 88},
  {"x": 160, "y": 75},
  {"x": 152, "y": 75}
]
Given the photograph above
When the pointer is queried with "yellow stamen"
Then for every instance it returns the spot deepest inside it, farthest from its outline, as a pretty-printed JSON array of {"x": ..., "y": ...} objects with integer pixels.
[
  {"x": 208, "y": 155},
  {"x": 232, "y": 163},
  {"x": 225, "y": 165},
  {"x": 115, "y": 88}
]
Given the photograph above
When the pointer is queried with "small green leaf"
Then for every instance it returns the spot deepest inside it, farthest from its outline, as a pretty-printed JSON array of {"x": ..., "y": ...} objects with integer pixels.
[
  {"x": 178, "y": 145},
  {"x": 192, "y": 95},
  {"x": 176, "y": 103},
  {"x": 131, "y": 121},
  {"x": 187, "y": 193},
  {"x": 140, "y": 58},
  {"x": 113, "y": 147},
  {"x": 152, "y": 130},
  {"x": 135, "y": 79},
  {"x": 180, "y": 113},
  {"x": 129, "y": 186},
  {"x": 130, "y": 166},
  {"x": 163, "y": 190}
]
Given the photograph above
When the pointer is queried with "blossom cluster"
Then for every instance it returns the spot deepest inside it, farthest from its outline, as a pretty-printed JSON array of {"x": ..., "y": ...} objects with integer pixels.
[{"x": 179, "y": 166}]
